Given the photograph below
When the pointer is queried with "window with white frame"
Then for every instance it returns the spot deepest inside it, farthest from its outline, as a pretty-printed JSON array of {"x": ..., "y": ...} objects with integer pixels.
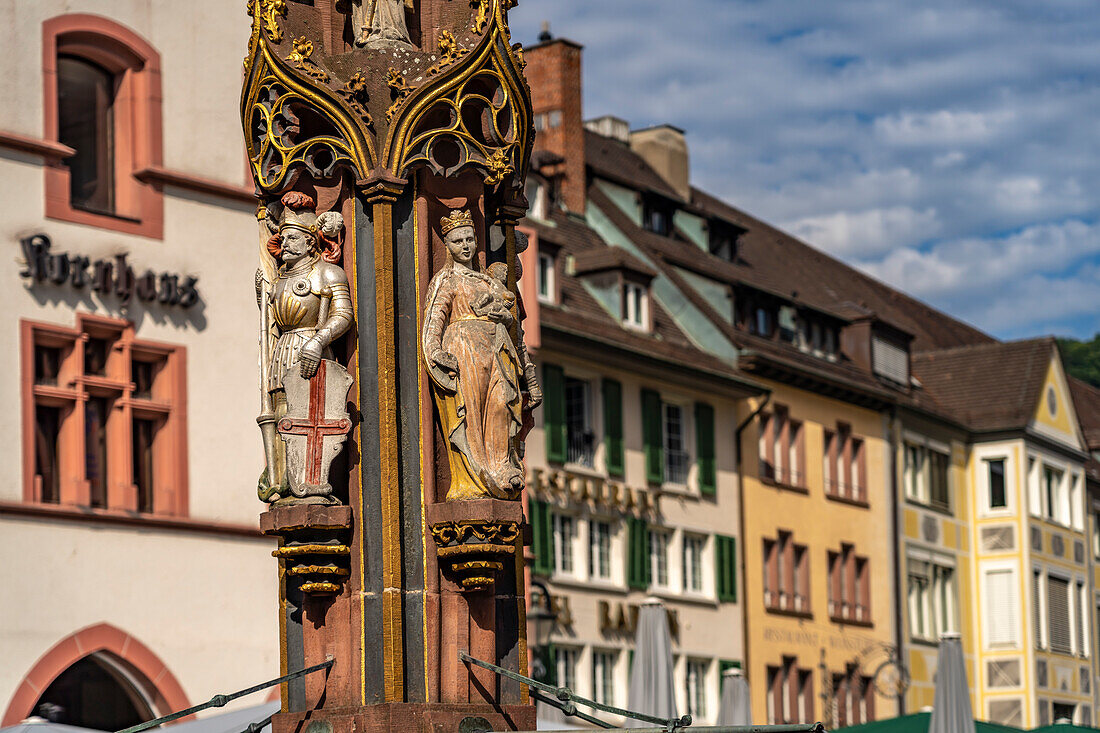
[
  {"x": 694, "y": 546},
  {"x": 635, "y": 306},
  {"x": 926, "y": 475},
  {"x": 1061, "y": 613},
  {"x": 547, "y": 280},
  {"x": 599, "y": 550},
  {"x": 932, "y": 599},
  {"x": 1053, "y": 494},
  {"x": 567, "y": 658},
  {"x": 1076, "y": 503},
  {"x": 603, "y": 676},
  {"x": 1001, "y": 608},
  {"x": 677, "y": 458},
  {"x": 565, "y": 544},
  {"x": 658, "y": 558},
  {"x": 996, "y": 488},
  {"x": 696, "y": 682}
]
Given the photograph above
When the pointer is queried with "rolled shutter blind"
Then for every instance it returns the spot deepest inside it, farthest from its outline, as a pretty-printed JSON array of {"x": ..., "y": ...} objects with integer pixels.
[
  {"x": 1058, "y": 614},
  {"x": 613, "y": 426},
  {"x": 1001, "y": 610},
  {"x": 652, "y": 437},
  {"x": 704, "y": 448},
  {"x": 553, "y": 412}
]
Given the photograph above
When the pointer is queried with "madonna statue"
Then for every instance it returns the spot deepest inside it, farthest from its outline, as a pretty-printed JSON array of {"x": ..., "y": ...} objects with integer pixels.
[{"x": 476, "y": 371}]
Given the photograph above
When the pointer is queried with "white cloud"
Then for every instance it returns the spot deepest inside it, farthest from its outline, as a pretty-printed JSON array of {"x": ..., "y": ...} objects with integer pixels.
[
  {"x": 867, "y": 233},
  {"x": 941, "y": 127}
]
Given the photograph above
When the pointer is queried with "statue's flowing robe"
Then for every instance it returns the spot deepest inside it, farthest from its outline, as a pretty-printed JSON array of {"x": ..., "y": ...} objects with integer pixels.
[{"x": 481, "y": 407}]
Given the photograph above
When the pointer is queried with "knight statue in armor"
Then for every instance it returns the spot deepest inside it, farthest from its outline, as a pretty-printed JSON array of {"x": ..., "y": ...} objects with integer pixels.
[{"x": 305, "y": 305}]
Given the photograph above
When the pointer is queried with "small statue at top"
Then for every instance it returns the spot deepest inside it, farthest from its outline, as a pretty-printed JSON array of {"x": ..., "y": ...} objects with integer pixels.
[
  {"x": 479, "y": 374},
  {"x": 377, "y": 23},
  {"x": 305, "y": 305}
]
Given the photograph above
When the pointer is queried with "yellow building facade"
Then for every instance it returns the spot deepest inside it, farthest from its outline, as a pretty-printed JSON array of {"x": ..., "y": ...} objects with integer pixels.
[
  {"x": 820, "y": 620},
  {"x": 1015, "y": 534}
]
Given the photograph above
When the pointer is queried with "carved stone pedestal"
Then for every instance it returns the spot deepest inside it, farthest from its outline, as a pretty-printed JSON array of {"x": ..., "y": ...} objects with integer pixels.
[
  {"x": 474, "y": 539},
  {"x": 313, "y": 544}
]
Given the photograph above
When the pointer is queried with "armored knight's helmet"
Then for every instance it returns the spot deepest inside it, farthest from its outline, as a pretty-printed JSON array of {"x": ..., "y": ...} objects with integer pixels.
[{"x": 298, "y": 210}]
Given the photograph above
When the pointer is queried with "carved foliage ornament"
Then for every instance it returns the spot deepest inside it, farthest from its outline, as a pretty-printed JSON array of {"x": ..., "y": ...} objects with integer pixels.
[{"x": 471, "y": 108}]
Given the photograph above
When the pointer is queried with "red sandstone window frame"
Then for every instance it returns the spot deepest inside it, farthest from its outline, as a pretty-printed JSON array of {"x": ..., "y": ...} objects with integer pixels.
[
  {"x": 138, "y": 133},
  {"x": 786, "y": 576},
  {"x": 849, "y": 587},
  {"x": 167, "y": 404},
  {"x": 782, "y": 444},
  {"x": 790, "y": 693},
  {"x": 845, "y": 466}
]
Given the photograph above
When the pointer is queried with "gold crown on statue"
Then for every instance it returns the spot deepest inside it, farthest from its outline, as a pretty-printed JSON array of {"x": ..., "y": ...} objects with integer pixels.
[{"x": 455, "y": 220}]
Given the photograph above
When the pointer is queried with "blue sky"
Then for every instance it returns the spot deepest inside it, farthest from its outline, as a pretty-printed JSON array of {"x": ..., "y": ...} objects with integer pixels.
[{"x": 948, "y": 147}]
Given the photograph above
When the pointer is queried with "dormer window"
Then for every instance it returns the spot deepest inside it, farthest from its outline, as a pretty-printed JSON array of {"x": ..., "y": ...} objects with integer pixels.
[
  {"x": 547, "y": 280},
  {"x": 788, "y": 328},
  {"x": 635, "y": 306},
  {"x": 890, "y": 359},
  {"x": 657, "y": 216},
  {"x": 723, "y": 240},
  {"x": 762, "y": 322}
]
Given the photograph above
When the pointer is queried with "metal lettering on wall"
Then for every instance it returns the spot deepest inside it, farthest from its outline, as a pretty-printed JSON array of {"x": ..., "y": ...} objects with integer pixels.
[{"x": 105, "y": 276}]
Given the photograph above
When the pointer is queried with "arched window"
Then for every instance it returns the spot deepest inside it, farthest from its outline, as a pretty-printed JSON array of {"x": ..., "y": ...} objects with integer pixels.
[
  {"x": 98, "y": 677},
  {"x": 102, "y": 101},
  {"x": 95, "y": 692}
]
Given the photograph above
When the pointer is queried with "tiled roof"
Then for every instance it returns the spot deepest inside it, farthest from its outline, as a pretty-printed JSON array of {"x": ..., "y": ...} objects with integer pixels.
[
  {"x": 578, "y": 312},
  {"x": 964, "y": 376},
  {"x": 1086, "y": 400},
  {"x": 775, "y": 262},
  {"x": 610, "y": 258},
  {"x": 615, "y": 161},
  {"x": 993, "y": 386}
]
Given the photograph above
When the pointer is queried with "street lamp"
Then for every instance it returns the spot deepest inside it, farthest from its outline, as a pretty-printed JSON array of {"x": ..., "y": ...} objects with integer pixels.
[{"x": 543, "y": 617}]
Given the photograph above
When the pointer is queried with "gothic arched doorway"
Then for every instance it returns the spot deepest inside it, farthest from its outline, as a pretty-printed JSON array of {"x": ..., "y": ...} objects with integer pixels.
[{"x": 95, "y": 692}]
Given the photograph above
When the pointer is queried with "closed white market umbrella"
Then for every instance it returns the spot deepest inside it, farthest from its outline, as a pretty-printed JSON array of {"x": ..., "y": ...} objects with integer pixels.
[
  {"x": 734, "y": 708},
  {"x": 951, "y": 712},
  {"x": 651, "y": 687}
]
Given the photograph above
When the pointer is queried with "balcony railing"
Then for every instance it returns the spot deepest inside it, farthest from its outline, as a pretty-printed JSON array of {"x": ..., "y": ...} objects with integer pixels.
[
  {"x": 677, "y": 463},
  {"x": 581, "y": 448}
]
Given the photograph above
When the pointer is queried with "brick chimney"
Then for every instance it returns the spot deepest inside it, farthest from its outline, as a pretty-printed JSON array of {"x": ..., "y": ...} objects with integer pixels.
[{"x": 554, "y": 73}]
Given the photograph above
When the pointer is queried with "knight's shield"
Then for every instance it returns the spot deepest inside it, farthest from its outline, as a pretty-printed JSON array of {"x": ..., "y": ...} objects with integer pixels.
[{"x": 315, "y": 426}]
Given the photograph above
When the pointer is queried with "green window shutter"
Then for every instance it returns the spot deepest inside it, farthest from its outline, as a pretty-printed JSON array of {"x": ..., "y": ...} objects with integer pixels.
[
  {"x": 704, "y": 448},
  {"x": 638, "y": 560},
  {"x": 652, "y": 437},
  {"x": 543, "y": 529},
  {"x": 613, "y": 426},
  {"x": 553, "y": 412},
  {"x": 725, "y": 552}
]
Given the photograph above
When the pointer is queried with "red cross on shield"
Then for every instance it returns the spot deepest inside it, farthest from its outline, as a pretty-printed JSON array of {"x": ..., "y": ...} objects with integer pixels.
[{"x": 315, "y": 426}]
